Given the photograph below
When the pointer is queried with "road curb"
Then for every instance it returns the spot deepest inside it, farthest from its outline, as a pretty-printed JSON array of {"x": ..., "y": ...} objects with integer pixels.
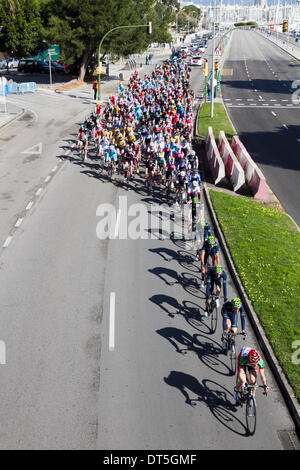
[
  {"x": 14, "y": 118},
  {"x": 266, "y": 348},
  {"x": 278, "y": 45}
]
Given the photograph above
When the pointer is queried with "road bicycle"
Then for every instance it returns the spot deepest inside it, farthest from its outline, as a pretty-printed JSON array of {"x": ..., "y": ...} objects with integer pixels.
[
  {"x": 204, "y": 280},
  {"x": 112, "y": 166},
  {"x": 101, "y": 162},
  {"x": 230, "y": 349},
  {"x": 246, "y": 397},
  {"x": 212, "y": 311},
  {"x": 182, "y": 197}
]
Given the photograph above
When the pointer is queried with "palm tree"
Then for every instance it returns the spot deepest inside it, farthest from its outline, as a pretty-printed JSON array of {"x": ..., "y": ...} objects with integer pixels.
[{"x": 14, "y": 4}]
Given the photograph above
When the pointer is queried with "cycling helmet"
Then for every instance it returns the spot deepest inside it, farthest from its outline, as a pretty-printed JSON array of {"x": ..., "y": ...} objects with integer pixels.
[
  {"x": 211, "y": 240},
  {"x": 111, "y": 147},
  {"x": 182, "y": 173},
  {"x": 195, "y": 183},
  {"x": 207, "y": 226},
  {"x": 254, "y": 356},
  {"x": 219, "y": 269},
  {"x": 192, "y": 152},
  {"x": 236, "y": 302}
]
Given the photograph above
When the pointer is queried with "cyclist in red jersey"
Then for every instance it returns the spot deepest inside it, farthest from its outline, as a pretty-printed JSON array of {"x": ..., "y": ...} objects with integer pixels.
[{"x": 249, "y": 357}]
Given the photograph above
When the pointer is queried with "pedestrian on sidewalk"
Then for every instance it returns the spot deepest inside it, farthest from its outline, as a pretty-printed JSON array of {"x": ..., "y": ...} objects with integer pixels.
[
  {"x": 95, "y": 88},
  {"x": 147, "y": 59}
]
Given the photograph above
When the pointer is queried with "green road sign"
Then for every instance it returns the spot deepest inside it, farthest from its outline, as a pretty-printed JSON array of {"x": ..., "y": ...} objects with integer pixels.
[
  {"x": 52, "y": 51},
  {"x": 44, "y": 55}
]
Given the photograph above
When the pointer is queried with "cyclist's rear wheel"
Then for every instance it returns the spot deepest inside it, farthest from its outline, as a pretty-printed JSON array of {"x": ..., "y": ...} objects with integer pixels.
[
  {"x": 213, "y": 319},
  {"x": 232, "y": 354},
  {"x": 251, "y": 416}
]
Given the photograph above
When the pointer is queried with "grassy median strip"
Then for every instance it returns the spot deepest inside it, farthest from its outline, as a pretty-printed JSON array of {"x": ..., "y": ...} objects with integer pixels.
[
  {"x": 219, "y": 122},
  {"x": 265, "y": 247}
]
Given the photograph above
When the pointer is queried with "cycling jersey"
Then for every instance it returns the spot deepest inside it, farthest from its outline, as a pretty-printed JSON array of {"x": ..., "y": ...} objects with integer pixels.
[
  {"x": 228, "y": 312},
  {"x": 208, "y": 249},
  {"x": 243, "y": 359},
  {"x": 213, "y": 279},
  {"x": 111, "y": 154}
]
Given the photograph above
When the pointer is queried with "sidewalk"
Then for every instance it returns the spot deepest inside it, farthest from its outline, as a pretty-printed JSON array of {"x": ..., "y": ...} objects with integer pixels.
[
  {"x": 287, "y": 46},
  {"x": 109, "y": 84},
  {"x": 12, "y": 113}
]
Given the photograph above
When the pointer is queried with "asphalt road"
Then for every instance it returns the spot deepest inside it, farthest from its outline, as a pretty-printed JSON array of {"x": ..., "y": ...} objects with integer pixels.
[
  {"x": 106, "y": 347},
  {"x": 258, "y": 92}
]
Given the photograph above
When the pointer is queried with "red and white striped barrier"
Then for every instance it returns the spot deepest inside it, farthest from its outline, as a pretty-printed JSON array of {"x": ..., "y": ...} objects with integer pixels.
[
  {"x": 215, "y": 161},
  {"x": 233, "y": 169},
  {"x": 254, "y": 176}
]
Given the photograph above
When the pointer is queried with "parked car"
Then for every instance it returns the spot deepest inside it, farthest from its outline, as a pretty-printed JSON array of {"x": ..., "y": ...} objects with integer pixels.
[
  {"x": 59, "y": 68},
  {"x": 63, "y": 64},
  {"x": 201, "y": 48},
  {"x": 2, "y": 64},
  {"x": 12, "y": 63},
  {"x": 196, "y": 60},
  {"x": 34, "y": 66}
]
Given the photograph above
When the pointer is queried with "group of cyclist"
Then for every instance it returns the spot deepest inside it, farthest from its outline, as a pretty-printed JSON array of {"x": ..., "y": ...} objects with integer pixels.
[{"x": 151, "y": 123}]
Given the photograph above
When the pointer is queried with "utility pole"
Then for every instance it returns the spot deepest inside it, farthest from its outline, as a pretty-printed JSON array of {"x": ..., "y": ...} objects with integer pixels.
[{"x": 213, "y": 64}]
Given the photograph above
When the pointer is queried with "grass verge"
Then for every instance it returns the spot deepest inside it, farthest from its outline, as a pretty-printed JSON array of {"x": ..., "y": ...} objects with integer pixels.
[
  {"x": 219, "y": 122},
  {"x": 265, "y": 247}
]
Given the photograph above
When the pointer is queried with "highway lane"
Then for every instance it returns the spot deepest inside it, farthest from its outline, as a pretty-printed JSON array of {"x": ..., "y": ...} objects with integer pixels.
[
  {"x": 30, "y": 150},
  {"x": 158, "y": 379},
  {"x": 258, "y": 95}
]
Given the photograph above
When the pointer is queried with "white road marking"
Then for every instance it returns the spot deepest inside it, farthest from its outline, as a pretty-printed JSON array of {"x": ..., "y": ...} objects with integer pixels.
[
  {"x": 54, "y": 169},
  {"x": 274, "y": 114},
  {"x": 285, "y": 126},
  {"x": 39, "y": 191},
  {"x": 7, "y": 242},
  {"x": 47, "y": 179},
  {"x": 117, "y": 227},
  {"x": 112, "y": 321},
  {"x": 29, "y": 205},
  {"x": 19, "y": 221},
  {"x": 34, "y": 150}
]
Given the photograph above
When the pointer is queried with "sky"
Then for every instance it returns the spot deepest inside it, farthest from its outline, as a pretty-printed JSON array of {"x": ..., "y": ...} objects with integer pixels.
[{"x": 239, "y": 2}]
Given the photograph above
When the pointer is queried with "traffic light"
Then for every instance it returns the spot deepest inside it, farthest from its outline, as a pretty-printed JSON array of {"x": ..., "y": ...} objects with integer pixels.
[
  {"x": 216, "y": 65},
  {"x": 149, "y": 27},
  {"x": 205, "y": 68},
  {"x": 285, "y": 26}
]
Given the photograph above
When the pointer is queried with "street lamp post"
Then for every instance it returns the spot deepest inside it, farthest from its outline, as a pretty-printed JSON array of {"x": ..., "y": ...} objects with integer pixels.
[
  {"x": 213, "y": 65},
  {"x": 149, "y": 25}
]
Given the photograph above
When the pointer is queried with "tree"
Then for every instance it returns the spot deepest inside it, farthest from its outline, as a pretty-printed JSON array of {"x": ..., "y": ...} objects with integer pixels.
[
  {"x": 78, "y": 27},
  {"x": 21, "y": 27}
]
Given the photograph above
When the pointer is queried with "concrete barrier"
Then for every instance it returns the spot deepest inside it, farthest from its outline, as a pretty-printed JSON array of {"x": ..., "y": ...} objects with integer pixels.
[
  {"x": 215, "y": 161},
  {"x": 254, "y": 176},
  {"x": 233, "y": 169},
  {"x": 209, "y": 137}
]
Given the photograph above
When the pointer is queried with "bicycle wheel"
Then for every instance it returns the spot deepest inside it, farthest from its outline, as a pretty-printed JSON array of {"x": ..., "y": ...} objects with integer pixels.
[
  {"x": 251, "y": 415},
  {"x": 232, "y": 354},
  {"x": 214, "y": 318}
]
